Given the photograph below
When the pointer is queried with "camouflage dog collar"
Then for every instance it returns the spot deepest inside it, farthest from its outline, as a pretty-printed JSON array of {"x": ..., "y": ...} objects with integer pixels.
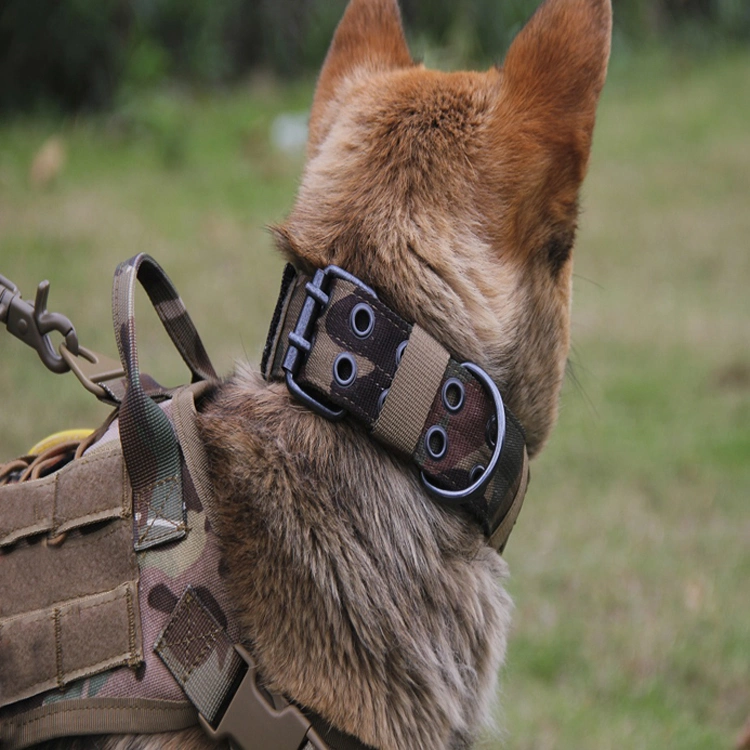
[{"x": 343, "y": 352}]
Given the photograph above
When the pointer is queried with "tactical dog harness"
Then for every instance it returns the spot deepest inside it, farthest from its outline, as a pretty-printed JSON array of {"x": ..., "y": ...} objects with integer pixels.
[{"x": 114, "y": 616}]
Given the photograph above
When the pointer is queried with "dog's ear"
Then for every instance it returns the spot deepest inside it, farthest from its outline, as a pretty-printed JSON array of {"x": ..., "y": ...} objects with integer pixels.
[
  {"x": 370, "y": 38},
  {"x": 550, "y": 85}
]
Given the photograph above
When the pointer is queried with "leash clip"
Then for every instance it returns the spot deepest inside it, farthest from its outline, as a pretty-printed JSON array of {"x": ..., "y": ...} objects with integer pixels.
[{"x": 32, "y": 323}]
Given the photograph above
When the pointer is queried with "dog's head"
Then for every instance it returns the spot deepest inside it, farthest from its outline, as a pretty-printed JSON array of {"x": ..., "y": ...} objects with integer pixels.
[{"x": 455, "y": 194}]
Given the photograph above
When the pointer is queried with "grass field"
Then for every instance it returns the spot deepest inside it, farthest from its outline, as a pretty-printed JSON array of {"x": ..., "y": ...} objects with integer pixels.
[{"x": 631, "y": 560}]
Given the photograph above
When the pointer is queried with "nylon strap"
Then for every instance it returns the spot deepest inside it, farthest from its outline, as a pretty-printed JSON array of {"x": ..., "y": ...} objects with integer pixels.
[
  {"x": 412, "y": 390},
  {"x": 198, "y": 653},
  {"x": 184, "y": 418},
  {"x": 150, "y": 447},
  {"x": 221, "y": 682},
  {"x": 87, "y": 716},
  {"x": 398, "y": 394}
]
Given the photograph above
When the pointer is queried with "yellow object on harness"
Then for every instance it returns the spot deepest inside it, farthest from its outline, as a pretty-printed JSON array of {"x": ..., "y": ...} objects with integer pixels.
[{"x": 58, "y": 438}]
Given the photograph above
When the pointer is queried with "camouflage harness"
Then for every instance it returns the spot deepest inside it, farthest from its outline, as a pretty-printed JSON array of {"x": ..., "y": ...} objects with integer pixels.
[{"x": 114, "y": 615}]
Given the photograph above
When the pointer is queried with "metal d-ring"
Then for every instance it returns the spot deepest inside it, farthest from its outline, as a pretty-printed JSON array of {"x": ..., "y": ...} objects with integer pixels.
[{"x": 478, "y": 486}]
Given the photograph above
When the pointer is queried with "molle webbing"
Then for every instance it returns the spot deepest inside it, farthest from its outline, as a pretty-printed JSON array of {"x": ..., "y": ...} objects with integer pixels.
[
  {"x": 404, "y": 389},
  {"x": 93, "y": 488},
  {"x": 67, "y": 611}
]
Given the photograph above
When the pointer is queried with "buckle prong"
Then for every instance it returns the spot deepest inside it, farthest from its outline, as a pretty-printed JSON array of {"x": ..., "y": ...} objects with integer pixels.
[{"x": 300, "y": 343}]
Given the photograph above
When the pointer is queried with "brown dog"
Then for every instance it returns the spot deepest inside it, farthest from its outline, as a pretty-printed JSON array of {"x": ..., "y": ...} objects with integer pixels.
[{"x": 455, "y": 197}]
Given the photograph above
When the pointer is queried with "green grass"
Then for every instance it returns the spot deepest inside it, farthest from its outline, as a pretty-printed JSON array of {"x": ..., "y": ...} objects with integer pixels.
[{"x": 630, "y": 563}]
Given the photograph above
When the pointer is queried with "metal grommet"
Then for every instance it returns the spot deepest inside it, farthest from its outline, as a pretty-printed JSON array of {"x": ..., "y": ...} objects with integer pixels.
[
  {"x": 345, "y": 369},
  {"x": 381, "y": 399},
  {"x": 454, "y": 395},
  {"x": 473, "y": 490},
  {"x": 362, "y": 320},
  {"x": 490, "y": 431},
  {"x": 436, "y": 442},
  {"x": 400, "y": 351},
  {"x": 476, "y": 473}
]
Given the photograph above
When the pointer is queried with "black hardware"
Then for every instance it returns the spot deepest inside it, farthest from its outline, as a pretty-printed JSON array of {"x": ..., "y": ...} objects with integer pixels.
[
  {"x": 300, "y": 341},
  {"x": 381, "y": 399},
  {"x": 476, "y": 473},
  {"x": 453, "y": 395},
  {"x": 436, "y": 442},
  {"x": 400, "y": 351},
  {"x": 32, "y": 323},
  {"x": 345, "y": 369},
  {"x": 490, "y": 431},
  {"x": 362, "y": 320}
]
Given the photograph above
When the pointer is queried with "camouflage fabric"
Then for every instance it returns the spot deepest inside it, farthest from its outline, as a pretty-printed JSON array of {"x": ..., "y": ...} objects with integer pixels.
[
  {"x": 169, "y": 539},
  {"x": 469, "y": 430},
  {"x": 165, "y": 572},
  {"x": 149, "y": 445},
  {"x": 197, "y": 651}
]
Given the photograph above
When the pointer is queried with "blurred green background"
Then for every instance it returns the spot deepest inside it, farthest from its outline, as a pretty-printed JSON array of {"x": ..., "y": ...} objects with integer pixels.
[
  {"x": 81, "y": 54},
  {"x": 173, "y": 127}
]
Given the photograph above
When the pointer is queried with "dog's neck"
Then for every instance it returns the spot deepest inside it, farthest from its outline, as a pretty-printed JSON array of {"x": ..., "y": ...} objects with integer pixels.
[{"x": 343, "y": 352}]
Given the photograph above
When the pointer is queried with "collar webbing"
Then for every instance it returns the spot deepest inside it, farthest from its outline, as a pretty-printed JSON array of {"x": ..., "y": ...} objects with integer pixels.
[{"x": 343, "y": 351}]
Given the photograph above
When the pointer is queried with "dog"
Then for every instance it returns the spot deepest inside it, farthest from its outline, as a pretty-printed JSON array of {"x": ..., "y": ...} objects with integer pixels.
[{"x": 455, "y": 197}]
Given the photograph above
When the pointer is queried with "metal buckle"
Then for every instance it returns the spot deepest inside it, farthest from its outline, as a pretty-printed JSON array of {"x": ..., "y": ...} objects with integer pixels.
[
  {"x": 250, "y": 722},
  {"x": 92, "y": 369},
  {"x": 300, "y": 343},
  {"x": 31, "y": 323},
  {"x": 478, "y": 487}
]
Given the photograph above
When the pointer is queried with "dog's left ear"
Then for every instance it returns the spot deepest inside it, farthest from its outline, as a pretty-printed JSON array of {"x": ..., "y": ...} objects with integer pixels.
[
  {"x": 551, "y": 80},
  {"x": 369, "y": 38}
]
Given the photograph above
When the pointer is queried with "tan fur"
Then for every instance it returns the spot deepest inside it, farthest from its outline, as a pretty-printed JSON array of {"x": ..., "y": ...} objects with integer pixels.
[{"x": 455, "y": 196}]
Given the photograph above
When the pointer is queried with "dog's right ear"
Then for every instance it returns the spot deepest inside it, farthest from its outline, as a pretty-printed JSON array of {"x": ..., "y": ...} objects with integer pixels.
[
  {"x": 370, "y": 38},
  {"x": 552, "y": 77}
]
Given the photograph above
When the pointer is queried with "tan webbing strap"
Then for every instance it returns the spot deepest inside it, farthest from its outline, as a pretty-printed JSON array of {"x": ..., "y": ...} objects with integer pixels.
[
  {"x": 94, "y": 716},
  {"x": 197, "y": 651},
  {"x": 184, "y": 418},
  {"x": 412, "y": 392},
  {"x": 50, "y": 648},
  {"x": 499, "y": 538},
  {"x": 220, "y": 680},
  {"x": 90, "y": 489}
]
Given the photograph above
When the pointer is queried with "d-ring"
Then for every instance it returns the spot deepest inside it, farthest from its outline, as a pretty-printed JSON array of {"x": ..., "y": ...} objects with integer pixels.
[{"x": 452, "y": 496}]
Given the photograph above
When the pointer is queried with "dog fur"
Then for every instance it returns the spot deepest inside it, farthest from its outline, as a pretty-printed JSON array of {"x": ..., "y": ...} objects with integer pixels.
[{"x": 455, "y": 196}]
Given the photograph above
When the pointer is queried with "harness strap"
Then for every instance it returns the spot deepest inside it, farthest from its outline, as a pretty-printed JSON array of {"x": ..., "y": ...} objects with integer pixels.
[
  {"x": 220, "y": 680},
  {"x": 87, "y": 716},
  {"x": 343, "y": 351},
  {"x": 150, "y": 447}
]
